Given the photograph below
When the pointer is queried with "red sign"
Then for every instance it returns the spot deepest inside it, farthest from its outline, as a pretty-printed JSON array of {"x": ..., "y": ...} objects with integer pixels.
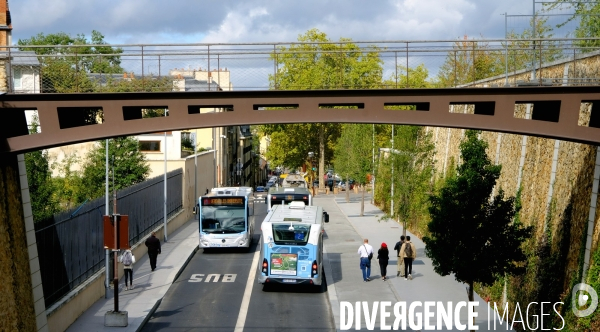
[{"x": 123, "y": 232}]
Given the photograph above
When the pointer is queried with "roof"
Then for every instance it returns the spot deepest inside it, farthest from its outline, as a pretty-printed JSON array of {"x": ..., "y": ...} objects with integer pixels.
[
  {"x": 306, "y": 214},
  {"x": 23, "y": 58},
  {"x": 196, "y": 85},
  {"x": 295, "y": 190},
  {"x": 230, "y": 191}
]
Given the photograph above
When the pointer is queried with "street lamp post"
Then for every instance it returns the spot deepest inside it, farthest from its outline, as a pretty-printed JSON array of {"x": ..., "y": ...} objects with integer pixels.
[{"x": 392, "y": 192}]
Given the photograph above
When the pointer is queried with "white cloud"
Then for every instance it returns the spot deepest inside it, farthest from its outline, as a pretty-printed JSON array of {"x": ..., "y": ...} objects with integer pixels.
[{"x": 185, "y": 21}]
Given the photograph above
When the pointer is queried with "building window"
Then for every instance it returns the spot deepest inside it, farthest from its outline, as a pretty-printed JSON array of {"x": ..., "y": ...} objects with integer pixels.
[
  {"x": 17, "y": 78},
  {"x": 150, "y": 146}
]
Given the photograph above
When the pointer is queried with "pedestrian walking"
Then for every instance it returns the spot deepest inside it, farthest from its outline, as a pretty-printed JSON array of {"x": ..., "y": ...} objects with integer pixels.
[
  {"x": 366, "y": 254},
  {"x": 408, "y": 253},
  {"x": 128, "y": 259},
  {"x": 153, "y": 245},
  {"x": 400, "y": 263},
  {"x": 383, "y": 256}
]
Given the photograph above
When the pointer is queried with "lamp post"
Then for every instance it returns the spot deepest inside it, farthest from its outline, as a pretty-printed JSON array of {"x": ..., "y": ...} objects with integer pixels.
[
  {"x": 221, "y": 159},
  {"x": 165, "y": 188},
  {"x": 106, "y": 258},
  {"x": 392, "y": 192}
]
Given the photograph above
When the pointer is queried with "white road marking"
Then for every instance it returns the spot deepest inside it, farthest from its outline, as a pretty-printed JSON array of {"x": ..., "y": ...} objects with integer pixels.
[{"x": 241, "y": 321}]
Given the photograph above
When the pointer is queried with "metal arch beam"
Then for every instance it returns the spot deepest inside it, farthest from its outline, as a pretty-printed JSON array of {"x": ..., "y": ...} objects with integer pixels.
[{"x": 308, "y": 106}]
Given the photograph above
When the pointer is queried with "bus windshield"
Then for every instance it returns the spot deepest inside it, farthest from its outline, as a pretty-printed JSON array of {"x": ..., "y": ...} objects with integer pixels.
[
  {"x": 296, "y": 234},
  {"x": 223, "y": 219}
]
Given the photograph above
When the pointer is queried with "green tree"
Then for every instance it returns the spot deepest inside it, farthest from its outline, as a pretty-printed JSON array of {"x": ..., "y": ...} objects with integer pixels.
[
  {"x": 588, "y": 13},
  {"x": 472, "y": 236},
  {"x": 129, "y": 83},
  {"x": 413, "y": 78},
  {"x": 67, "y": 184},
  {"x": 522, "y": 53},
  {"x": 127, "y": 164},
  {"x": 469, "y": 61},
  {"x": 43, "y": 204},
  {"x": 318, "y": 63},
  {"x": 67, "y": 62},
  {"x": 353, "y": 155},
  {"x": 412, "y": 160}
]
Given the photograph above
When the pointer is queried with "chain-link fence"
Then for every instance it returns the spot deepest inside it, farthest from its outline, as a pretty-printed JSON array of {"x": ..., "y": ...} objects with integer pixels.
[{"x": 202, "y": 67}]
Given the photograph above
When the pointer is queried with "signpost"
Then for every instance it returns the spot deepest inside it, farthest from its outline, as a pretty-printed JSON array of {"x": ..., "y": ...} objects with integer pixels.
[{"x": 116, "y": 237}]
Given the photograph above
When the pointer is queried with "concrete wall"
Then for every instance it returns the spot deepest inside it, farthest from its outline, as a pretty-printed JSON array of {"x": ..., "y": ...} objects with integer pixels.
[
  {"x": 553, "y": 174},
  {"x": 17, "y": 308}
]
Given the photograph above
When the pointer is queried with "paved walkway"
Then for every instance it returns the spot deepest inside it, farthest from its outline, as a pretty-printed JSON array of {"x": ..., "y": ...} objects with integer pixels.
[
  {"x": 148, "y": 287},
  {"x": 344, "y": 234}
]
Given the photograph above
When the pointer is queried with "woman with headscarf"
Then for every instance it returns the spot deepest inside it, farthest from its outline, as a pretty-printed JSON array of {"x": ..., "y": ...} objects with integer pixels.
[{"x": 383, "y": 256}]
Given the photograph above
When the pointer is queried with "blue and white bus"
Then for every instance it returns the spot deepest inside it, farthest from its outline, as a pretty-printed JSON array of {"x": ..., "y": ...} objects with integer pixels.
[
  {"x": 291, "y": 245},
  {"x": 225, "y": 218}
]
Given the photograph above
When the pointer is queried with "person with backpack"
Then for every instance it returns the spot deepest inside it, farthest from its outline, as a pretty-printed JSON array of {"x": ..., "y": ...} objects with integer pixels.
[
  {"x": 128, "y": 259},
  {"x": 366, "y": 254},
  {"x": 400, "y": 264},
  {"x": 408, "y": 253}
]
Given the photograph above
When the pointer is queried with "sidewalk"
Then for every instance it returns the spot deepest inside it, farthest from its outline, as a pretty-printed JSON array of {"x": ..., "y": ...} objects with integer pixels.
[
  {"x": 149, "y": 287},
  {"x": 345, "y": 233}
]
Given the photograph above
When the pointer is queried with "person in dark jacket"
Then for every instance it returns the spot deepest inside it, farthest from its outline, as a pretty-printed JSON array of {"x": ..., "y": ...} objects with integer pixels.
[
  {"x": 383, "y": 256},
  {"x": 400, "y": 264},
  {"x": 153, "y": 245}
]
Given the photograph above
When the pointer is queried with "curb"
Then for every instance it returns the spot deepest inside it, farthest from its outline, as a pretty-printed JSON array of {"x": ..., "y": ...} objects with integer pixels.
[
  {"x": 334, "y": 302},
  {"x": 157, "y": 304}
]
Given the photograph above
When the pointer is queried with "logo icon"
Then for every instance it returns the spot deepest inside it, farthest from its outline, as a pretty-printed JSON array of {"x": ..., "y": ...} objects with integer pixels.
[{"x": 580, "y": 297}]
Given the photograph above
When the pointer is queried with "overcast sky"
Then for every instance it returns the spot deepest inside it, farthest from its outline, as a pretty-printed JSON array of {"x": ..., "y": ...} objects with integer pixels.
[{"x": 189, "y": 21}]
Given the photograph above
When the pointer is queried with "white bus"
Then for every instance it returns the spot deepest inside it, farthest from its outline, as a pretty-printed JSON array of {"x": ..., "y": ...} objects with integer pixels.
[
  {"x": 291, "y": 245},
  {"x": 224, "y": 218},
  {"x": 278, "y": 196}
]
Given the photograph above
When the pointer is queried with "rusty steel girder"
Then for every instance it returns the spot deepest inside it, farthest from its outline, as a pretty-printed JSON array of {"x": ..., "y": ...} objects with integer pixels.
[{"x": 556, "y": 112}]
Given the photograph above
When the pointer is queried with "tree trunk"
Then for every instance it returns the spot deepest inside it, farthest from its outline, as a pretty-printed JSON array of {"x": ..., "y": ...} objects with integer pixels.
[
  {"x": 362, "y": 203},
  {"x": 321, "y": 157},
  {"x": 470, "y": 292},
  {"x": 347, "y": 189}
]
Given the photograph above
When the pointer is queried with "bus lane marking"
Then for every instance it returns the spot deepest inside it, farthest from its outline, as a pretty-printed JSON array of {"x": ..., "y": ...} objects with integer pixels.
[
  {"x": 214, "y": 277},
  {"x": 241, "y": 321}
]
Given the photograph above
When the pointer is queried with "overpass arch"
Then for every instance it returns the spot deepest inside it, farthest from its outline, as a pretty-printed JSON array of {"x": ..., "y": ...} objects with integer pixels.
[{"x": 557, "y": 112}]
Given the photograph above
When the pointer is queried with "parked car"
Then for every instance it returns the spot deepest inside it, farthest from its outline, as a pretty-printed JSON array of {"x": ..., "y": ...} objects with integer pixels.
[
  {"x": 342, "y": 185},
  {"x": 260, "y": 193}
]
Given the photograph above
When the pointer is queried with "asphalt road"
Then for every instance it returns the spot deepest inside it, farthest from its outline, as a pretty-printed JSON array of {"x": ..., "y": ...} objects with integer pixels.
[{"x": 208, "y": 296}]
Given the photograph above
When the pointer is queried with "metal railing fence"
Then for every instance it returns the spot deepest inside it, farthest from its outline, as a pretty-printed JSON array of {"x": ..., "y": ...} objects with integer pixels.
[
  {"x": 71, "y": 247},
  {"x": 258, "y": 66}
]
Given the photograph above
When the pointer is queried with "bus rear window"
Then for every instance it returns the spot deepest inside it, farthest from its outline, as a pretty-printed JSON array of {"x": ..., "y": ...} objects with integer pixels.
[{"x": 291, "y": 234}]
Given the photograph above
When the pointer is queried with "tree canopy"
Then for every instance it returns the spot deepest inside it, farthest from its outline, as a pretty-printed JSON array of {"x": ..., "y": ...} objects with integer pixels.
[
  {"x": 127, "y": 164},
  {"x": 41, "y": 190},
  {"x": 472, "y": 236},
  {"x": 317, "y": 63},
  {"x": 353, "y": 154},
  {"x": 588, "y": 13},
  {"x": 66, "y": 65}
]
